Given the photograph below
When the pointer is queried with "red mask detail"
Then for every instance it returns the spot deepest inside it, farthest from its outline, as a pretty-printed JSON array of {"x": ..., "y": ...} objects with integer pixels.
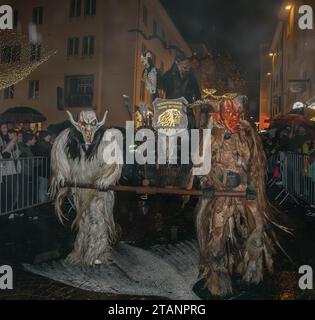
[{"x": 230, "y": 115}]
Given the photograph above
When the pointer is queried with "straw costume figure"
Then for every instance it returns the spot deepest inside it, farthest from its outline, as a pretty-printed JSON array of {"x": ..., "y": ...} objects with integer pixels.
[
  {"x": 234, "y": 233},
  {"x": 79, "y": 157}
]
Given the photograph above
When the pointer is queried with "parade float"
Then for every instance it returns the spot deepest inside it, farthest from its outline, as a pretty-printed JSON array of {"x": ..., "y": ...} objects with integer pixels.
[{"x": 234, "y": 219}]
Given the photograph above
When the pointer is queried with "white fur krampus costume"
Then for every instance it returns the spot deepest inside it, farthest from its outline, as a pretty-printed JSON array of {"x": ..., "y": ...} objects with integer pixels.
[{"x": 79, "y": 157}]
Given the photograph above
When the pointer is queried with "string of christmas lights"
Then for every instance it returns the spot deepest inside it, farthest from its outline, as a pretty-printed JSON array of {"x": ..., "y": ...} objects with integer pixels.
[{"x": 18, "y": 57}]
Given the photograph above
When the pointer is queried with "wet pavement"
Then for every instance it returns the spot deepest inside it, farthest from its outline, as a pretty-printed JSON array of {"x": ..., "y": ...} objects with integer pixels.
[{"x": 37, "y": 236}]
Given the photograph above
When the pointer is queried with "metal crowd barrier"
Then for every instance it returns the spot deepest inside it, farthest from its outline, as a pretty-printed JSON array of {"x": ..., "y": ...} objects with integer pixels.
[
  {"x": 23, "y": 183},
  {"x": 296, "y": 176},
  {"x": 272, "y": 164}
]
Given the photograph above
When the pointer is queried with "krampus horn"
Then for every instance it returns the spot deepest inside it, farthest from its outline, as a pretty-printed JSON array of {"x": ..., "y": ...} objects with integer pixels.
[
  {"x": 104, "y": 119},
  {"x": 71, "y": 118}
]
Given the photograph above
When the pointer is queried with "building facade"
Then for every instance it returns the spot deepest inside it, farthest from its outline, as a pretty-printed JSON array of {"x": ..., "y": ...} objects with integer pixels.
[
  {"x": 265, "y": 76},
  {"x": 97, "y": 61},
  {"x": 291, "y": 74}
]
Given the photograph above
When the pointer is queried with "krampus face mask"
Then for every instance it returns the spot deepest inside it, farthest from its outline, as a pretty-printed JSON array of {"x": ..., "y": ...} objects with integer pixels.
[
  {"x": 87, "y": 124},
  {"x": 230, "y": 115},
  {"x": 147, "y": 60}
]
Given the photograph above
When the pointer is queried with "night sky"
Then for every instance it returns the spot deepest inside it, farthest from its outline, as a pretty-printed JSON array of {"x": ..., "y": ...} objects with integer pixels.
[{"x": 234, "y": 26}]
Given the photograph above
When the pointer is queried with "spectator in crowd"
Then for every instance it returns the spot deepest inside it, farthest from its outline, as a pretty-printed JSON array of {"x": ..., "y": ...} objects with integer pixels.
[
  {"x": 42, "y": 149},
  {"x": 9, "y": 168},
  {"x": 13, "y": 137},
  {"x": 270, "y": 145},
  {"x": 10, "y": 125},
  {"x": 19, "y": 127},
  {"x": 43, "y": 146},
  {"x": 29, "y": 140},
  {"x": 29, "y": 167},
  {"x": 307, "y": 146},
  {"x": 296, "y": 142},
  {"x": 284, "y": 139},
  {"x": 27, "y": 126},
  {"x": 15, "y": 151},
  {"x": 4, "y": 140},
  {"x": 24, "y": 166},
  {"x": 309, "y": 150},
  {"x": 20, "y": 137},
  {"x": 3, "y": 133}
]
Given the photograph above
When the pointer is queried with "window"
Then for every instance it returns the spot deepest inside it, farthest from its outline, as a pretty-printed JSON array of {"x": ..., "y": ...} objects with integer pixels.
[
  {"x": 145, "y": 16},
  {"x": 9, "y": 92},
  {"x": 10, "y": 54},
  {"x": 15, "y": 18},
  {"x": 155, "y": 27},
  {"x": 142, "y": 90},
  {"x": 38, "y": 15},
  {"x": 73, "y": 47},
  {"x": 90, "y": 8},
  {"x": 88, "y": 46},
  {"x": 35, "y": 52},
  {"x": 79, "y": 91},
  {"x": 75, "y": 8},
  {"x": 33, "y": 91}
]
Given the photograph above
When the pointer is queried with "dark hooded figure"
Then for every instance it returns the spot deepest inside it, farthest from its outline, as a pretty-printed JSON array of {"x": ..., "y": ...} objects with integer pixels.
[{"x": 180, "y": 81}]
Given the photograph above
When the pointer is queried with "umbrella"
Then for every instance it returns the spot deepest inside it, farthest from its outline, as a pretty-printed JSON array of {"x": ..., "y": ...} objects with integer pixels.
[
  {"x": 294, "y": 120},
  {"x": 22, "y": 114},
  {"x": 308, "y": 112},
  {"x": 291, "y": 119}
]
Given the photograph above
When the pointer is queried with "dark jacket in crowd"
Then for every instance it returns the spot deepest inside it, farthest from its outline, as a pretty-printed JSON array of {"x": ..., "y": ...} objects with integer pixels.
[
  {"x": 296, "y": 143},
  {"x": 25, "y": 150},
  {"x": 176, "y": 87},
  {"x": 42, "y": 149},
  {"x": 28, "y": 165}
]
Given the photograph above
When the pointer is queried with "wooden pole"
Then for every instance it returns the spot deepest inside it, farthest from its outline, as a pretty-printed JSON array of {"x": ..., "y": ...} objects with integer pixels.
[{"x": 158, "y": 190}]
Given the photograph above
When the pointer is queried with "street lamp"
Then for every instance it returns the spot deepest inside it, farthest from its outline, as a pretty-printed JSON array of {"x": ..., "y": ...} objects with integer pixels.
[{"x": 288, "y": 7}]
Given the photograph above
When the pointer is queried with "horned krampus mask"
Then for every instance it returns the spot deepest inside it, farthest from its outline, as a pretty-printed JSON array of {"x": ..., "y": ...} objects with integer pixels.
[
  {"x": 87, "y": 124},
  {"x": 227, "y": 112}
]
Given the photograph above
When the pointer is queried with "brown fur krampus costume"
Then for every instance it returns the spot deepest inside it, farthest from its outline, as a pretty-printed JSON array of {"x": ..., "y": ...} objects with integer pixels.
[{"x": 233, "y": 232}]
